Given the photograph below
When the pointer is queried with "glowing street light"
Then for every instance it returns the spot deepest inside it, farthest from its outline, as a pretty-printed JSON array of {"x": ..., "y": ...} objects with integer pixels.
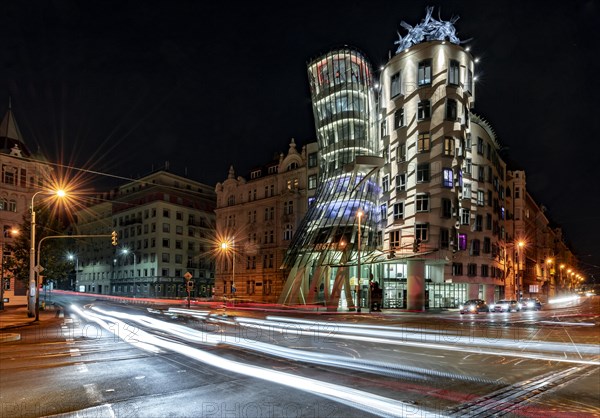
[
  {"x": 32, "y": 301},
  {"x": 72, "y": 257},
  {"x": 126, "y": 251},
  {"x": 226, "y": 247}
]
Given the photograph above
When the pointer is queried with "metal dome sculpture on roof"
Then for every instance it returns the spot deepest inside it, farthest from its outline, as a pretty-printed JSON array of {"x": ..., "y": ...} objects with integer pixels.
[{"x": 429, "y": 29}]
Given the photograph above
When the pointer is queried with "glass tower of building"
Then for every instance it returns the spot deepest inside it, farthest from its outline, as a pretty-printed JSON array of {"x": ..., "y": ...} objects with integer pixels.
[{"x": 324, "y": 255}]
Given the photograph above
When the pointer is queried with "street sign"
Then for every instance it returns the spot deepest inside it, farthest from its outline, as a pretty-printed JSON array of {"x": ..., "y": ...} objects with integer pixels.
[
  {"x": 187, "y": 276},
  {"x": 38, "y": 269}
]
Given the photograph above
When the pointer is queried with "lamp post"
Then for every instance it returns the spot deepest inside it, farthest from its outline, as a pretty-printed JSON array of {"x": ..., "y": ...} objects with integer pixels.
[
  {"x": 33, "y": 286},
  {"x": 126, "y": 251},
  {"x": 359, "y": 214},
  {"x": 520, "y": 246},
  {"x": 561, "y": 268},
  {"x": 71, "y": 257},
  {"x": 225, "y": 246},
  {"x": 549, "y": 262},
  {"x": 12, "y": 232}
]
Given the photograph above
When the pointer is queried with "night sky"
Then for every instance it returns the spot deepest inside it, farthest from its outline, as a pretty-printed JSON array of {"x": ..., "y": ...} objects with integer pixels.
[{"x": 122, "y": 87}]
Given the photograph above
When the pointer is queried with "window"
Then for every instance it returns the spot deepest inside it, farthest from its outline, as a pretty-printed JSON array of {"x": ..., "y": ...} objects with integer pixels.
[
  {"x": 422, "y": 232},
  {"x": 312, "y": 159},
  {"x": 398, "y": 211},
  {"x": 288, "y": 207},
  {"x": 166, "y": 243},
  {"x": 424, "y": 73},
  {"x": 475, "y": 247},
  {"x": 462, "y": 242},
  {"x": 424, "y": 110},
  {"x": 454, "y": 73},
  {"x": 465, "y": 216},
  {"x": 395, "y": 85},
  {"x": 451, "y": 112},
  {"x": 312, "y": 181},
  {"x": 166, "y": 227},
  {"x": 480, "y": 198},
  {"x": 481, "y": 173},
  {"x": 469, "y": 83},
  {"x": 385, "y": 183},
  {"x": 487, "y": 245},
  {"x": 399, "y": 118},
  {"x": 383, "y": 212},
  {"x": 478, "y": 223},
  {"x": 401, "y": 181},
  {"x": 468, "y": 166},
  {"x": 166, "y": 257},
  {"x": 424, "y": 142},
  {"x": 479, "y": 146},
  {"x": 449, "y": 146},
  {"x": 422, "y": 202},
  {"x": 446, "y": 208},
  {"x": 444, "y": 238},
  {"x": 448, "y": 178},
  {"x": 287, "y": 233},
  {"x": 166, "y": 213},
  {"x": 401, "y": 152},
  {"x": 423, "y": 173},
  {"x": 457, "y": 269},
  {"x": 395, "y": 239},
  {"x": 488, "y": 221},
  {"x": 178, "y": 245},
  {"x": 484, "y": 270},
  {"x": 471, "y": 269},
  {"x": 179, "y": 216}
]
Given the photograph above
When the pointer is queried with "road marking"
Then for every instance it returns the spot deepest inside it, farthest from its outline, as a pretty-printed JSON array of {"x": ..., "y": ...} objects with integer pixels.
[
  {"x": 81, "y": 367},
  {"x": 75, "y": 352}
]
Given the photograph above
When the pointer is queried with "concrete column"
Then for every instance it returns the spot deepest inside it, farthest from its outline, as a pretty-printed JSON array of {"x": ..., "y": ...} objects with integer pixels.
[{"x": 415, "y": 291}]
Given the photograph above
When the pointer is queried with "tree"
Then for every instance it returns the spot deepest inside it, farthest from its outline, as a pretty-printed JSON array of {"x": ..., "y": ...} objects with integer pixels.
[{"x": 52, "y": 256}]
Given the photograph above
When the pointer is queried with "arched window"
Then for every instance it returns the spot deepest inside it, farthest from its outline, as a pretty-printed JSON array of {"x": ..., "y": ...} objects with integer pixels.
[
  {"x": 287, "y": 234},
  {"x": 292, "y": 166},
  {"x": 231, "y": 200}
]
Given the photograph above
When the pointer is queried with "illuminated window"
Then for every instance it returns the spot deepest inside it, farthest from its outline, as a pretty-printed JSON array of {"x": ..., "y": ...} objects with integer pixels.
[
  {"x": 449, "y": 146},
  {"x": 424, "y": 73},
  {"x": 448, "y": 178},
  {"x": 395, "y": 84},
  {"x": 424, "y": 142},
  {"x": 424, "y": 110},
  {"x": 454, "y": 73}
]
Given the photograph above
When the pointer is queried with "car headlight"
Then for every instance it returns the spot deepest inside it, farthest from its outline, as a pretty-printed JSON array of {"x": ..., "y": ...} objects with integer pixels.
[
  {"x": 530, "y": 304},
  {"x": 461, "y": 307}
]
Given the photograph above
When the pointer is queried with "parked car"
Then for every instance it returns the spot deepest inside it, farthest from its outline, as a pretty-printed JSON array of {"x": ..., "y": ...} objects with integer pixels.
[
  {"x": 505, "y": 305},
  {"x": 473, "y": 306},
  {"x": 531, "y": 304}
]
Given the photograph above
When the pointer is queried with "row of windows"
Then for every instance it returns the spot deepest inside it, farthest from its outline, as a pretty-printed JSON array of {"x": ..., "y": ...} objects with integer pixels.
[
  {"x": 8, "y": 205},
  {"x": 484, "y": 270},
  {"x": 424, "y": 113},
  {"x": 424, "y": 76}
]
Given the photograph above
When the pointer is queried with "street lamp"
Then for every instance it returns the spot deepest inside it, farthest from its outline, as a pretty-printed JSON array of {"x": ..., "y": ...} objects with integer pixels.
[
  {"x": 520, "y": 245},
  {"x": 71, "y": 257},
  {"x": 225, "y": 246},
  {"x": 33, "y": 286},
  {"x": 359, "y": 214},
  {"x": 12, "y": 232},
  {"x": 126, "y": 251}
]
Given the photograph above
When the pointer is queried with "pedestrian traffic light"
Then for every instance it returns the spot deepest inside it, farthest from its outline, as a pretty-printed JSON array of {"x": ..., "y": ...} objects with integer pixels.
[{"x": 114, "y": 238}]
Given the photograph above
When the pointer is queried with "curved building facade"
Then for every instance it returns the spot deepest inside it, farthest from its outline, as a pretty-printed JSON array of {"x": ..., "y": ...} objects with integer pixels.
[{"x": 324, "y": 256}]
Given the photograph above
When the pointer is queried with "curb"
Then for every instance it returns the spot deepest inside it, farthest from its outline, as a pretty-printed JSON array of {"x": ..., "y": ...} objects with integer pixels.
[{"x": 6, "y": 337}]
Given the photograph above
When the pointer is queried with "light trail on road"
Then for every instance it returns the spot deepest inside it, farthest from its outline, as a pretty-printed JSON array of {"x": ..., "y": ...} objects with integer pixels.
[{"x": 368, "y": 402}]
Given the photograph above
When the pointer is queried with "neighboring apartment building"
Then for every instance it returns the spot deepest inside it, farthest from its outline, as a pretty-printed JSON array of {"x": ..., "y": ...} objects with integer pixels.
[
  {"x": 165, "y": 225},
  {"x": 257, "y": 218},
  {"x": 23, "y": 174}
]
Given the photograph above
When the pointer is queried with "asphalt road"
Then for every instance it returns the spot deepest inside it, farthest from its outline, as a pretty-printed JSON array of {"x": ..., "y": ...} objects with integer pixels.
[{"x": 103, "y": 359}]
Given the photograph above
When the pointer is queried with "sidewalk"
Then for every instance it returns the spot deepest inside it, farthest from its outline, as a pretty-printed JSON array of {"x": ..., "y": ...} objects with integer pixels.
[{"x": 14, "y": 317}]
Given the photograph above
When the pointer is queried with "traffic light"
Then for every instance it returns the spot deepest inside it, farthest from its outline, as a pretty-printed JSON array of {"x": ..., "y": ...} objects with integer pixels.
[{"x": 114, "y": 238}]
